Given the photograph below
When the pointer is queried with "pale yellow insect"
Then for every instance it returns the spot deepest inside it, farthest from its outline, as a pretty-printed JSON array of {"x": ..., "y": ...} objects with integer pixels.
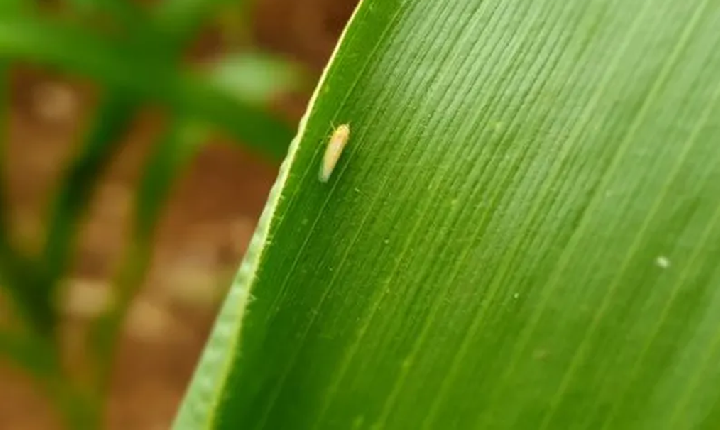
[{"x": 337, "y": 142}]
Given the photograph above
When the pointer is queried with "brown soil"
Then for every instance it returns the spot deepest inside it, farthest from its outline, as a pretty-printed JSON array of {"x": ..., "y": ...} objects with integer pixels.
[{"x": 203, "y": 236}]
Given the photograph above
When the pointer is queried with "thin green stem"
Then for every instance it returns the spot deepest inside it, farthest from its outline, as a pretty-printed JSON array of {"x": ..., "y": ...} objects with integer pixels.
[
  {"x": 168, "y": 159},
  {"x": 79, "y": 407},
  {"x": 36, "y": 355},
  {"x": 17, "y": 276},
  {"x": 79, "y": 182}
]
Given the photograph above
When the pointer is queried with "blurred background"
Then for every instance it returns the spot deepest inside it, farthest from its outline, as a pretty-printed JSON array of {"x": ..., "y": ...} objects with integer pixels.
[{"x": 58, "y": 100}]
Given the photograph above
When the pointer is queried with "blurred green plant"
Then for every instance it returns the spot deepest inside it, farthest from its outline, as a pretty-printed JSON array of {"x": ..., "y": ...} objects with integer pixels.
[{"x": 135, "y": 55}]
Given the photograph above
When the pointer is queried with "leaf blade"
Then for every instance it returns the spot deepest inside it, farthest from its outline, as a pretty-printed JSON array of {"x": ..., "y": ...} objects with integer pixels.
[{"x": 528, "y": 186}]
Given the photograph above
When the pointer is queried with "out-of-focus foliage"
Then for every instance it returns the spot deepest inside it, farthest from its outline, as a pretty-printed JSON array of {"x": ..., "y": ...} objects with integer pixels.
[{"x": 135, "y": 56}]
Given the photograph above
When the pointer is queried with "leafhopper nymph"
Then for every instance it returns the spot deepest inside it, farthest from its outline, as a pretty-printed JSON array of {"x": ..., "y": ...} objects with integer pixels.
[{"x": 334, "y": 149}]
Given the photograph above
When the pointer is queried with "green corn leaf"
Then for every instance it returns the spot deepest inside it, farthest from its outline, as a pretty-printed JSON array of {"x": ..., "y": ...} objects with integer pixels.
[{"x": 523, "y": 231}]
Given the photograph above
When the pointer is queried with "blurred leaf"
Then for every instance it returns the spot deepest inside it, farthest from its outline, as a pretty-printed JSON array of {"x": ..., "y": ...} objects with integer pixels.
[
  {"x": 87, "y": 5},
  {"x": 183, "y": 18},
  {"x": 12, "y": 5},
  {"x": 103, "y": 141},
  {"x": 17, "y": 279},
  {"x": 255, "y": 78},
  {"x": 24, "y": 287},
  {"x": 126, "y": 12},
  {"x": 125, "y": 9},
  {"x": 168, "y": 159},
  {"x": 40, "y": 359},
  {"x": 235, "y": 22},
  {"x": 27, "y": 353},
  {"x": 4, "y": 138},
  {"x": 522, "y": 233},
  {"x": 143, "y": 74}
]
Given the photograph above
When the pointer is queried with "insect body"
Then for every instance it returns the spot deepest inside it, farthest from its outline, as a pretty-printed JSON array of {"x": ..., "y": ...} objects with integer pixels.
[{"x": 337, "y": 142}]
